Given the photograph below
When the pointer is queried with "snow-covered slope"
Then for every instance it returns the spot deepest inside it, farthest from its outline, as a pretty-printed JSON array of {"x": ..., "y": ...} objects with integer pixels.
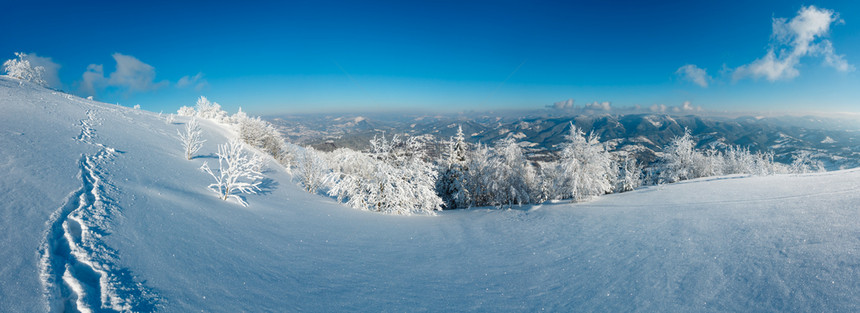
[{"x": 98, "y": 201}]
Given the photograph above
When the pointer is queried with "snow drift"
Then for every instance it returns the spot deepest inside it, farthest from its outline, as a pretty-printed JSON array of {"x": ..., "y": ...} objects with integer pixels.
[{"x": 102, "y": 212}]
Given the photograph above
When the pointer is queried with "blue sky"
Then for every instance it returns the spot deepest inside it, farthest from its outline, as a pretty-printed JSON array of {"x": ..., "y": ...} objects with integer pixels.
[{"x": 308, "y": 56}]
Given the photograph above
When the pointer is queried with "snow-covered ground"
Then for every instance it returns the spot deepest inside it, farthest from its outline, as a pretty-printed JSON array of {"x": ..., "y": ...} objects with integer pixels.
[{"x": 100, "y": 211}]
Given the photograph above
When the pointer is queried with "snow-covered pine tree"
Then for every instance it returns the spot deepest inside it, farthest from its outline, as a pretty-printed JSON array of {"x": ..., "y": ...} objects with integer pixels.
[
  {"x": 587, "y": 169},
  {"x": 192, "y": 139},
  {"x": 238, "y": 172},
  {"x": 452, "y": 185}
]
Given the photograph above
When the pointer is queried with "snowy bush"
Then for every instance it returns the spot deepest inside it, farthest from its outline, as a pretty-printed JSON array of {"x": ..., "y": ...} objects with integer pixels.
[
  {"x": 548, "y": 182},
  {"x": 681, "y": 161},
  {"x": 311, "y": 169},
  {"x": 21, "y": 69},
  {"x": 586, "y": 167},
  {"x": 738, "y": 160},
  {"x": 238, "y": 117},
  {"x": 186, "y": 111},
  {"x": 238, "y": 172},
  {"x": 192, "y": 139},
  {"x": 804, "y": 163},
  {"x": 261, "y": 134},
  {"x": 629, "y": 175},
  {"x": 393, "y": 178},
  {"x": 170, "y": 118},
  {"x": 210, "y": 110}
]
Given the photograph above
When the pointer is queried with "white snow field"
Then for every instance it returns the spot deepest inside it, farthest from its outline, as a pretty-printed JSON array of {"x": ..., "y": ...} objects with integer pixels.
[{"x": 101, "y": 212}]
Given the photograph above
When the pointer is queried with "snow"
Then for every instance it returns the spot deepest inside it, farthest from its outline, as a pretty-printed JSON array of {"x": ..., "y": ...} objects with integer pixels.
[{"x": 113, "y": 183}]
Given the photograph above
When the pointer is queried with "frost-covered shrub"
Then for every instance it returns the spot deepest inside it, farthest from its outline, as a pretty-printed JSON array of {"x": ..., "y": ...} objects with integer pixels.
[
  {"x": 681, "y": 161},
  {"x": 238, "y": 117},
  {"x": 170, "y": 118},
  {"x": 804, "y": 163},
  {"x": 192, "y": 139},
  {"x": 210, "y": 110},
  {"x": 261, "y": 134},
  {"x": 629, "y": 175},
  {"x": 21, "y": 68},
  {"x": 238, "y": 172},
  {"x": 393, "y": 178},
  {"x": 186, "y": 111},
  {"x": 311, "y": 169},
  {"x": 738, "y": 160}
]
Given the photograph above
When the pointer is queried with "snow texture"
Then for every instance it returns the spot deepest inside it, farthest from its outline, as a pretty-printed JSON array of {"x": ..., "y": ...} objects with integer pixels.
[{"x": 100, "y": 207}]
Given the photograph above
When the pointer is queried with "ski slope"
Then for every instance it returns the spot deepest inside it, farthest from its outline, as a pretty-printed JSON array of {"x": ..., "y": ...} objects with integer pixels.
[{"x": 101, "y": 213}]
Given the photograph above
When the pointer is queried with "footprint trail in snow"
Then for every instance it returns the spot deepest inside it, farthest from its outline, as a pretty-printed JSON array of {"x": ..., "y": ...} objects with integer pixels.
[{"x": 79, "y": 272}]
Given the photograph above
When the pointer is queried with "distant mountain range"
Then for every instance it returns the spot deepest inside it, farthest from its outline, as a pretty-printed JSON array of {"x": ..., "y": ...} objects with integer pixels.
[{"x": 831, "y": 140}]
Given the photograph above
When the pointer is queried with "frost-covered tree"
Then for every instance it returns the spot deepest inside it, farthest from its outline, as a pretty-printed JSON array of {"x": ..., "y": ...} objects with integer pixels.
[
  {"x": 238, "y": 172},
  {"x": 480, "y": 175},
  {"x": 512, "y": 176},
  {"x": 586, "y": 167},
  {"x": 452, "y": 185},
  {"x": 548, "y": 182},
  {"x": 192, "y": 139},
  {"x": 21, "y": 68},
  {"x": 681, "y": 161},
  {"x": 186, "y": 111},
  {"x": 261, "y": 134},
  {"x": 629, "y": 175},
  {"x": 311, "y": 169},
  {"x": 393, "y": 178},
  {"x": 210, "y": 110}
]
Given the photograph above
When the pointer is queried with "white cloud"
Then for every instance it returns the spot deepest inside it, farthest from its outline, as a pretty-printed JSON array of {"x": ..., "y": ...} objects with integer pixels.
[
  {"x": 197, "y": 81},
  {"x": 791, "y": 40},
  {"x": 834, "y": 60},
  {"x": 131, "y": 74},
  {"x": 51, "y": 74},
  {"x": 93, "y": 79},
  {"x": 687, "y": 106},
  {"x": 598, "y": 106},
  {"x": 658, "y": 108},
  {"x": 562, "y": 105},
  {"x": 694, "y": 74}
]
